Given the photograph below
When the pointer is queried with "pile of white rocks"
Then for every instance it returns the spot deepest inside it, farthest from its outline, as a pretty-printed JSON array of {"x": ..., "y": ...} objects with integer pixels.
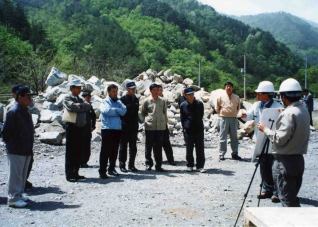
[{"x": 47, "y": 108}]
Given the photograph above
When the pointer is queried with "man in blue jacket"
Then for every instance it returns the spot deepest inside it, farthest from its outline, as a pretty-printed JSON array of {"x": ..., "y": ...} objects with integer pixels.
[
  {"x": 111, "y": 111},
  {"x": 18, "y": 134}
]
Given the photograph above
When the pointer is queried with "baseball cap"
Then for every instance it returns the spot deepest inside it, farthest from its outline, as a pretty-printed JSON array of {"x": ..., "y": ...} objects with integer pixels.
[
  {"x": 24, "y": 91},
  {"x": 131, "y": 85},
  {"x": 85, "y": 93},
  {"x": 15, "y": 88},
  {"x": 188, "y": 91}
]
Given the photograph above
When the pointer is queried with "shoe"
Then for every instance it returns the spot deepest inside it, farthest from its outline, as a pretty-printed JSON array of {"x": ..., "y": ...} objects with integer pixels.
[
  {"x": 84, "y": 166},
  {"x": 264, "y": 195},
  {"x": 189, "y": 169},
  {"x": 79, "y": 177},
  {"x": 275, "y": 199},
  {"x": 71, "y": 177},
  {"x": 28, "y": 185},
  {"x": 172, "y": 163},
  {"x": 159, "y": 169},
  {"x": 236, "y": 157},
  {"x": 221, "y": 158},
  {"x": 113, "y": 173},
  {"x": 17, "y": 204},
  {"x": 148, "y": 167},
  {"x": 202, "y": 170},
  {"x": 103, "y": 176},
  {"x": 123, "y": 169},
  {"x": 133, "y": 169},
  {"x": 24, "y": 198}
]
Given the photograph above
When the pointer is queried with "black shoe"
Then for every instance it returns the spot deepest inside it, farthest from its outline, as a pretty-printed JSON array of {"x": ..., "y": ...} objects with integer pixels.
[
  {"x": 264, "y": 195},
  {"x": 133, "y": 169},
  {"x": 236, "y": 157},
  {"x": 221, "y": 158},
  {"x": 123, "y": 169},
  {"x": 275, "y": 199},
  {"x": 79, "y": 177},
  {"x": 113, "y": 173},
  {"x": 172, "y": 163},
  {"x": 28, "y": 185},
  {"x": 103, "y": 176},
  {"x": 159, "y": 169},
  {"x": 148, "y": 167},
  {"x": 84, "y": 166}
]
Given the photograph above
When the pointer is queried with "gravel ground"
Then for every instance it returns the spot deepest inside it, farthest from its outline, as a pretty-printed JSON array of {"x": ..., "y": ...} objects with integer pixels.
[{"x": 172, "y": 198}]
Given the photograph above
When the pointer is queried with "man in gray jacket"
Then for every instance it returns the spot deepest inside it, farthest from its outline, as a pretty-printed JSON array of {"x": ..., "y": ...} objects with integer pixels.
[
  {"x": 290, "y": 142},
  {"x": 75, "y": 131},
  {"x": 18, "y": 134}
]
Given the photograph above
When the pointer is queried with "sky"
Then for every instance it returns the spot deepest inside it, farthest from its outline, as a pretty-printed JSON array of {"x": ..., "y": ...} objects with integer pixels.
[{"x": 307, "y": 9}]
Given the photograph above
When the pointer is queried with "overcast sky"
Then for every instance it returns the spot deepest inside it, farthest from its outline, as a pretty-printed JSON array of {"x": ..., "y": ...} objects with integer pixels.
[{"x": 307, "y": 9}]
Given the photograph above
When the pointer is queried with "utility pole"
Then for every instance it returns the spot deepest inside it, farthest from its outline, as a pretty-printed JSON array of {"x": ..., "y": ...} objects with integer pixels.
[
  {"x": 244, "y": 77},
  {"x": 199, "y": 73},
  {"x": 306, "y": 73}
]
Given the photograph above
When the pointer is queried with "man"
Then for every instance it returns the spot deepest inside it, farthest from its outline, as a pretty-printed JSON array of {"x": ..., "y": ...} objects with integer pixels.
[
  {"x": 308, "y": 99},
  {"x": 111, "y": 111},
  {"x": 290, "y": 142},
  {"x": 89, "y": 127},
  {"x": 265, "y": 93},
  {"x": 75, "y": 132},
  {"x": 228, "y": 106},
  {"x": 166, "y": 141},
  {"x": 130, "y": 126},
  {"x": 154, "y": 111},
  {"x": 191, "y": 112},
  {"x": 18, "y": 134},
  {"x": 181, "y": 99}
]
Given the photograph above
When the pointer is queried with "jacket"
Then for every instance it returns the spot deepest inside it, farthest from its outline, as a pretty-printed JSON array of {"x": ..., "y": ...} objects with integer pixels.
[
  {"x": 90, "y": 122},
  {"x": 255, "y": 112},
  {"x": 228, "y": 106},
  {"x": 111, "y": 111},
  {"x": 129, "y": 121},
  {"x": 69, "y": 104},
  {"x": 18, "y": 131},
  {"x": 192, "y": 116},
  {"x": 292, "y": 131},
  {"x": 155, "y": 113},
  {"x": 308, "y": 99}
]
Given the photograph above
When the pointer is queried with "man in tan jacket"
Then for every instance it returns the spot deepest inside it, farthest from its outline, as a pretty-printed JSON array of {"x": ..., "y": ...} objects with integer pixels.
[
  {"x": 154, "y": 111},
  {"x": 228, "y": 106}
]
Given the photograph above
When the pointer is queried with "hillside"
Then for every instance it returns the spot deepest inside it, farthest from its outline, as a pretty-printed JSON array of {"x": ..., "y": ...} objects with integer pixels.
[
  {"x": 115, "y": 39},
  {"x": 299, "y": 35}
]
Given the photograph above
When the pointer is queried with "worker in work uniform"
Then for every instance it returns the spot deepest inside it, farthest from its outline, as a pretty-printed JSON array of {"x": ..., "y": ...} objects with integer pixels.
[
  {"x": 265, "y": 93},
  {"x": 290, "y": 142}
]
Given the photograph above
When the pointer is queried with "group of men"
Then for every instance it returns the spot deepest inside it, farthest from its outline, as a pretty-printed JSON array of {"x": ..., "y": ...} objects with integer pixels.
[{"x": 281, "y": 170}]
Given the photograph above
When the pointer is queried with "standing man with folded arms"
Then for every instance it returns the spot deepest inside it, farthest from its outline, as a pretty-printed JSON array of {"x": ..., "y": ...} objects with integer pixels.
[
  {"x": 111, "y": 110},
  {"x": 18, "y": 134},
  {"x": 75, "y": 132},
  {"x": 130, "y": 126}
]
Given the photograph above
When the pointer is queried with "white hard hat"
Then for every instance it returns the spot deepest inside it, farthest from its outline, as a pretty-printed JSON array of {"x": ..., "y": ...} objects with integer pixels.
[
  {"x": 290, "y": 85},
  {"x": 265, "y": 86}
]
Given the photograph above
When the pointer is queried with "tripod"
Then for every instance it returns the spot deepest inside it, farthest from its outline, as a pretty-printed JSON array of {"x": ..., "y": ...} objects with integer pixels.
[{"x": 264, "y": 151}]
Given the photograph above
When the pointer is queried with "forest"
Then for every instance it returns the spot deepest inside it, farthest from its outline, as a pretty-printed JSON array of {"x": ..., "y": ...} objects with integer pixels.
[{"x": 118, "y": 39}]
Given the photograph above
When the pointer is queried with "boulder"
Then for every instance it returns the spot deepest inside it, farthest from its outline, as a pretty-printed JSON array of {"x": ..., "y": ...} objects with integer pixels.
[
  {"x": 59, "y": 100},
  {"x": 90, "y": 87},
  {"x": 143, "y": 85},
  {"x": 173, "y": 109},
  {"x": 95, "y": 81},
  {"x": 53, "y": 93},
  {"x": 249, "y": 127},
  {"x": 172, "y": 121},
  {"x": 168, "y": 95},
  {"x": 177, "y": 79},
  {"x": 96, "y": 137},
  {"x": 75, "y": 77},
  {"x": 55, "y": 77},
  {"x": 52, "y": 138},
  {"x": 177, "y": 117},
  {"x": 187, "y": 82},
  {"x": 50, "y": 106},
  {"x": 49, "y": 116},
  {"x": 35, "y": 118},
  {"x": 170, "y": 114}
]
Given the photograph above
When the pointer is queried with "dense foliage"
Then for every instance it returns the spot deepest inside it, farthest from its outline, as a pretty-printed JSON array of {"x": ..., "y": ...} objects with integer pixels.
[{"x": 117, "y": 39}]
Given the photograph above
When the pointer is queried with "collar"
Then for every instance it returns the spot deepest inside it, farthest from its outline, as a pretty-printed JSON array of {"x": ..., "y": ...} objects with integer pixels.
[{"x": 267, "y": 104}]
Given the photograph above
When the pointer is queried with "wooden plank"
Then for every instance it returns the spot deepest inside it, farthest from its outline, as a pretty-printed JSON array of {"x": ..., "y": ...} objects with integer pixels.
[{"x": 281, "y": 216}]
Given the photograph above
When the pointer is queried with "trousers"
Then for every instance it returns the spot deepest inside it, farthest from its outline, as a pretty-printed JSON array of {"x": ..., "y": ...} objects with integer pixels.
[
  {"x": 196, "y": 139},
  {"x": 228, "y": 125},
  {"x": 125, "y": 139},
  {"x": 154, "y": 140}
]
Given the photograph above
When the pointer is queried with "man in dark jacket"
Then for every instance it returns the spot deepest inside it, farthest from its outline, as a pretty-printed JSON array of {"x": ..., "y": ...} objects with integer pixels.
[
  {"x": 181, "y": 99},
  {"x": 192, "y": 112},
  {"x": 18, "y": 134},
  {"x": 309, "y": 100},
  {"x": 88, "y": 128},
  {"x": 130, "y": 126},
  {"x": 75, "y": 131}
]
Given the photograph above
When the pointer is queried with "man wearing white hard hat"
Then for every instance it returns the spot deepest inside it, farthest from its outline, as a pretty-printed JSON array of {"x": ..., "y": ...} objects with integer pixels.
[
  {"x": 265, "y": 93},
  {"x": 290, "y": 142}
]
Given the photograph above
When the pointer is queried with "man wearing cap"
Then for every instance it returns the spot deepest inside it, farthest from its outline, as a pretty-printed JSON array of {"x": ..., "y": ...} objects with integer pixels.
[
  {"x": 308, "y": 99},
  {"x": 88, "y": 128},
  {"x": 166, "y": 141},
  {"x": 18, "y": 134},
  {"x": 111, "y": 110},
  {"x": 130, "y": 126},
  {"x": 75, "y": 131},
  {"x": 228, "y": 106},
  {"x": 154, "y": 111},
  {"x": 290, "y": 142},
  {"x": 181, "y": 99},
  {"x": 191, "y": 112},
  {"x": 265, "y": 93}
]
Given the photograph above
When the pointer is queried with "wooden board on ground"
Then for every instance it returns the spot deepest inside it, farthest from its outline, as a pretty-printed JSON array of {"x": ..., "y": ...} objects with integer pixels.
[
  {"x": 267, "y": 117},
  {"x": 280, "y": 216}
]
